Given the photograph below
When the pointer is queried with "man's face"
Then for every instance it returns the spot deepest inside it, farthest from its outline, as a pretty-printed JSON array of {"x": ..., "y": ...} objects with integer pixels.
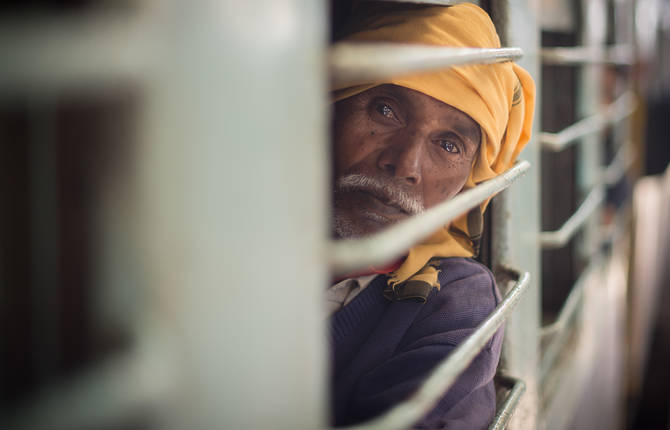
[{"x": 396, "y": 152}]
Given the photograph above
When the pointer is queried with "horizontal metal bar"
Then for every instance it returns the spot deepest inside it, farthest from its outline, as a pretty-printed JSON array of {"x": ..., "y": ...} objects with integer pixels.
[
  {"x": 505, "y": 412},
  {"x": 559, "y": 328},
  {"x": 558, "y": 238},
  {"x": 364, "y": 63},
  {"x": 349, "y": 255},
  {"x": 46, "y": 52},
  {"x": 621, "y": 55},
  {"x": 618, "y": 110},
  {"x": 403, "y": 415}
]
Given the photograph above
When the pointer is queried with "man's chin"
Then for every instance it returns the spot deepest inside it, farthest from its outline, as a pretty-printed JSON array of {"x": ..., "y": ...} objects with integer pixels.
[{"x": 368, "y": 223}]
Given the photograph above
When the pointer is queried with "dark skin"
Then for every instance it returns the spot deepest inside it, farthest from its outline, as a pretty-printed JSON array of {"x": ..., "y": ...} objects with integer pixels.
[{"x": 410, "y": 141}]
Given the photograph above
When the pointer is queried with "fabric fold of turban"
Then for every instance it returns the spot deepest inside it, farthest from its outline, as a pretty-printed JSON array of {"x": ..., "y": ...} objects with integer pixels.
[{"x": 499, "y": 97}]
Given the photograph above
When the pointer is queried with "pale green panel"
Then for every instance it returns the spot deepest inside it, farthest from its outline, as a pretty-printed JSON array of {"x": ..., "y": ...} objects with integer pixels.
[
  {"x": 233, "y": 176},
  {"x": 590, "y": 150},
  {"x": 516, "y": 226}
]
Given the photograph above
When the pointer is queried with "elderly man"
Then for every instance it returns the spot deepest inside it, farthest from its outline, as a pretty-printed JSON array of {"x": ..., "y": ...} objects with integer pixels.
[{"x": 401, "y": 146}]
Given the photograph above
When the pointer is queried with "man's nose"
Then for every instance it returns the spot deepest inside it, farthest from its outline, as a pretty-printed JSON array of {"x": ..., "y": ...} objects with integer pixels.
[{"x": 402, "y": 159}]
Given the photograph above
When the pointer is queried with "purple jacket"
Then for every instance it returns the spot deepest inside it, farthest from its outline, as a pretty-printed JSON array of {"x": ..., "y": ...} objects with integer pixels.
[{"x": 382, "y": 350}]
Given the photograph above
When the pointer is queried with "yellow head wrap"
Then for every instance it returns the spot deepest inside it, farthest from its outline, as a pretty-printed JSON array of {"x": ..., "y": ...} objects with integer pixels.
[{"x": 499, "y": 97}]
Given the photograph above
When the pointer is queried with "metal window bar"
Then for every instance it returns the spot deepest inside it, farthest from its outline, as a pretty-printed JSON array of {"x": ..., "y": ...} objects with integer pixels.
[
  {"x": 560, "y": 237},
  {"x": 506, "y": 410},
  {"x": 615, "y": 112},
  {"x": 620, "y": 55},
  {"x": 360, "y": 63},
  {"x": 349, "y": 255},
  {"x": 405, "y": 414}
]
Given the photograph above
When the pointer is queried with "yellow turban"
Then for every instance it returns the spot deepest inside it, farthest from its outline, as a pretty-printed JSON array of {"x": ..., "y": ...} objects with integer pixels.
[{"x": 499, "y": 97}]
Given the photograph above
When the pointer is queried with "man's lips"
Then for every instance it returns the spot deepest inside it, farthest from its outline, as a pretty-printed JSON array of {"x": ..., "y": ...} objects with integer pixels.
[{"x": 380, "y": 205}]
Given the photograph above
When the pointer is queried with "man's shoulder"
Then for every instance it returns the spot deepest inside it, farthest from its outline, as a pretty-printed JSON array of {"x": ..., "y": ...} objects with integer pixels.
[
  {"x": 468, "y": 278},
  {"x": 467, "y": 295},
  {"x": 454, "y": 268}
]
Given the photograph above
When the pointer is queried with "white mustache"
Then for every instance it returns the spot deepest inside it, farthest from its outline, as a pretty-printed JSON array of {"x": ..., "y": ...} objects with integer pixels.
[{"x": 389, "y": 194}]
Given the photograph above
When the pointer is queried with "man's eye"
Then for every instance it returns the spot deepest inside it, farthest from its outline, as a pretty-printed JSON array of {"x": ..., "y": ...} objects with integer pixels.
[
  {"x": 386, "y": 111},
  {"x": 449, "y": 146}
]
